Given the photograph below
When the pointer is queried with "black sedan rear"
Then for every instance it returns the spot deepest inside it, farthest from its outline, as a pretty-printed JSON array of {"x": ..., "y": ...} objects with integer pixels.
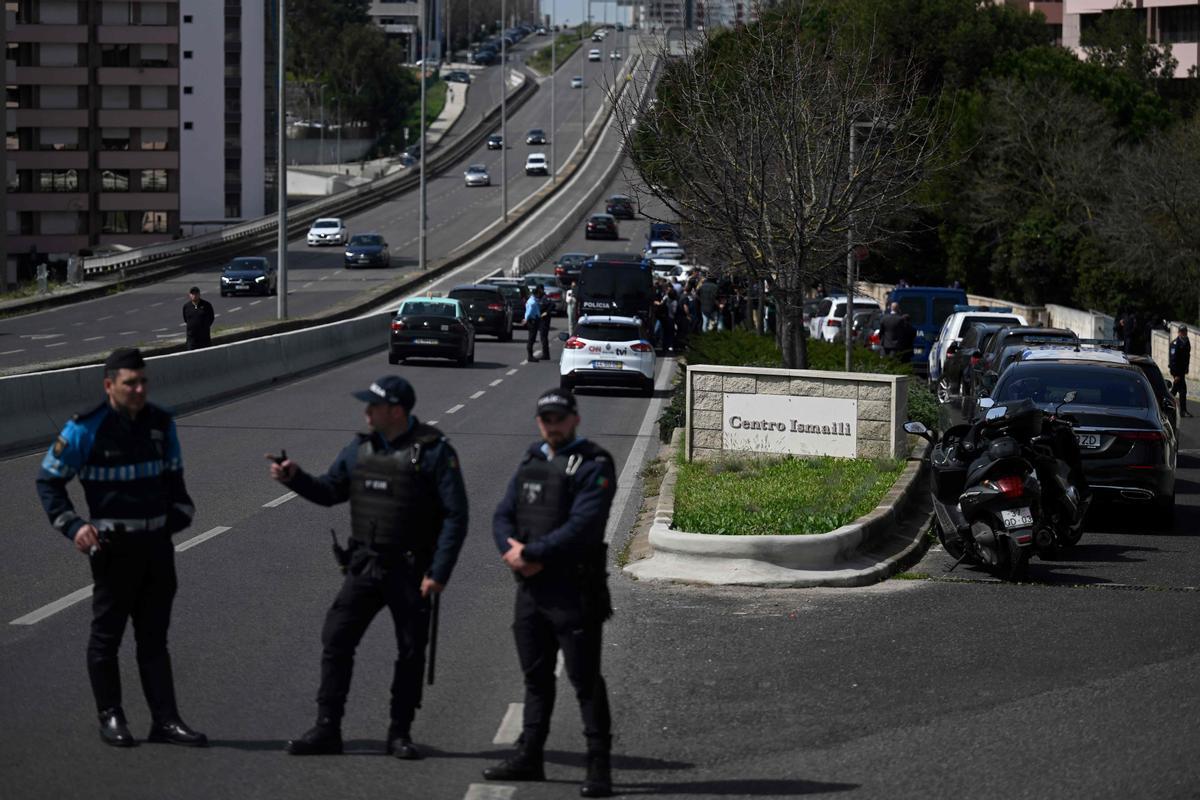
[
  {"x": 431, "y": 327},
  {"x": 620, "y": 207},
  {"x": 486, "y": 308},
  {"x": 601, "y": 226},
  {"x": 249, "y": 275},
  {"x": 367, "y": 250},
  {"x": 1128, "y": 447}
]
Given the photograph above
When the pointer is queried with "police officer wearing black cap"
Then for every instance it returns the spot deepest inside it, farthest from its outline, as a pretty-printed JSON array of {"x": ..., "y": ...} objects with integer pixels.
[
  {"x": 549, "y": 529},
  {"x": 126, "y": 455},
  {"x": 408, "y": 520}
]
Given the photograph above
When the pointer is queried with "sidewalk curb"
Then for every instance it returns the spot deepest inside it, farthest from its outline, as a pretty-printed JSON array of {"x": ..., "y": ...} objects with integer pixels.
[{"x": 869, "y": 550}]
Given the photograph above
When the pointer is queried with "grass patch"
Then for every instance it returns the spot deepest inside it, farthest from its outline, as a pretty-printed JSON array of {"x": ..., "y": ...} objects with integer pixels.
[
  {"x": 435, "y": 101},
  {"x": 30, "y": 289},
  {"x": 652, "y": 477},
  {"x": 740, "y": 497},
  {"x": 565, "y": 43}
]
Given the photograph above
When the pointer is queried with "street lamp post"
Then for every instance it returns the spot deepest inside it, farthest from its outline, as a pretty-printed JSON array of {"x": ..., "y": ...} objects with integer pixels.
[
  {"x": 321, "y": 152},
  {"x": 281, "y": 172},
  {"x": 503, "y": 111},
  {"x": 421, "y": 213},
  {"x": 339, "y": 131},
  {"x": 553, "y": 77}
]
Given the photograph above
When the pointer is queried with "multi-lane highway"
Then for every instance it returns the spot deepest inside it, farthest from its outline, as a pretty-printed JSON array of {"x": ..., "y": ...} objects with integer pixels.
[{"x": 316, "y": 278}]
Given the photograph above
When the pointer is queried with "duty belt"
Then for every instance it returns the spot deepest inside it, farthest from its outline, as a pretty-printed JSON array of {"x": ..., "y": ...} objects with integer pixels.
[{"x": 143, "y": 524}]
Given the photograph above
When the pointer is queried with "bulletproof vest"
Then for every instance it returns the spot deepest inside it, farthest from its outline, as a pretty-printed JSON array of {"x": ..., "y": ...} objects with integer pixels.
[
  {"x": 393, "y": 505},
  {"x": 544, "y": 494}
]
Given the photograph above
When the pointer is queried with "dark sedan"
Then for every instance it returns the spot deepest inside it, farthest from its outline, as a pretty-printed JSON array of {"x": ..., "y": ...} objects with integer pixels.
[
  {"x": 515, "y": 295},
  {"x": 535, "y": 136},
  {"x": 980, "y": 377},
  {"x": 1128, "y": 447},
  {"x": 367, "y": 250},
  {"x": 249, "y": 275},
  {"x": 566, "y": 268},
  {"x": 495, "y": 142},
  {"x": 620, "y": 207},
  {"x": 601, "y": 226},
  {"x": 962, "y": 354},
  {"x": 486, "y": 308},
  {"x": 431, "y": 327}
]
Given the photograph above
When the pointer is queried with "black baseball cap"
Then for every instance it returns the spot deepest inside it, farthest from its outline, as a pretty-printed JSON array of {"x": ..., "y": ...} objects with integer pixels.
[
  {"x": 558, "y": 401},
  {"x": 390, "y": 389},
  {"x": 194, "y": 290}
]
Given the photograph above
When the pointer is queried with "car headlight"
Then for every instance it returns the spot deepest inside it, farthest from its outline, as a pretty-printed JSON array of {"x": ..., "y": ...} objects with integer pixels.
[
  {"x": 224, "y": 279},
  {"x": 260, "y": 278}
]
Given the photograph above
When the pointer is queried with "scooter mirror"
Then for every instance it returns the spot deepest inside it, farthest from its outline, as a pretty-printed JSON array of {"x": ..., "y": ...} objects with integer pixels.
[{"x": 996, "y": 412}]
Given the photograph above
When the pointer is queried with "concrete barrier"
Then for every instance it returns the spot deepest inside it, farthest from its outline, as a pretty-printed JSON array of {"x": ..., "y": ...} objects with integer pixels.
[{"x": 1087, "y": 324}]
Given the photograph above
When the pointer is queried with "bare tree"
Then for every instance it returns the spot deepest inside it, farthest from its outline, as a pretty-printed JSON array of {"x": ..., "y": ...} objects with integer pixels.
[{"x": 749, "y": 142}]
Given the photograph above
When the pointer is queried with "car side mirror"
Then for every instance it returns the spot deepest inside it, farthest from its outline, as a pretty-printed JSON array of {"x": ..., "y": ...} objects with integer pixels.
[
  {"x": 562, "y": 336},
  {"x": 985, "y": 402}
]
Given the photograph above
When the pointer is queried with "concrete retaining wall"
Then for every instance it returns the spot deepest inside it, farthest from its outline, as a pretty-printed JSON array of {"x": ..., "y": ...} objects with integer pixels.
[{"x": 1088, "y": 324}]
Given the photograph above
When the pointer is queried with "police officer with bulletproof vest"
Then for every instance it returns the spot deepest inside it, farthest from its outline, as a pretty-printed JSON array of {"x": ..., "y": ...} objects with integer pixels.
[
  {"x": 549, "y": 529},
  {"x": 126, "y": 455},
  {"x": 408, "y": 517}
]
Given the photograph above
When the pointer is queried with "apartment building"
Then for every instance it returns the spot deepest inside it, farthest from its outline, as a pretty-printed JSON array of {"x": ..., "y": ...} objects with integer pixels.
[
  {"x": 130, "y": 121},
  {"x": 1173, "y": 22}
]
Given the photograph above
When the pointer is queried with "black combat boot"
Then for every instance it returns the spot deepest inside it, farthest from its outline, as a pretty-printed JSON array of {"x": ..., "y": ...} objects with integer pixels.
[
  {"x": 599, "y": 775},
  {"x": 525, "y": 765},
  {"x": 323, "y": 739},
  {"x": 176, "y": 731},
  {"x": 113, "y": 730},
  {"x": 400, "y": 745}
]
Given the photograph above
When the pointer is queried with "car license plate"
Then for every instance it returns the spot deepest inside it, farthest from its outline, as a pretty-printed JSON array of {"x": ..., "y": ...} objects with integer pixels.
[
  {"x": 425, "y": 341},
  {"x": 607, "y": 365},
  {"x": 1088, "y": 441},
  {"x": 1016, "y": 518}
]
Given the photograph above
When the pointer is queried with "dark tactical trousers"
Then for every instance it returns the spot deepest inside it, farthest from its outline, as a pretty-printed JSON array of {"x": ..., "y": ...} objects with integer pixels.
[
  {"x": 134, "y": 578},
  {"x": 546, "y": 620},
  {"x": 533, "y": 335},
  {"x": 363, "y": 595}
]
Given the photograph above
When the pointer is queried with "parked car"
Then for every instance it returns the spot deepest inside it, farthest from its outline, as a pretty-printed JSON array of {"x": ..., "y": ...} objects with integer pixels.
[
  {"x": 495, "y": 142},
  {"x": 431, "y": 327},
  {"x": 927, "y": 308},
  {"x": 550, "y": 285},
  {"x": 536, "y": 164},
  {"x": 327, "y": 230},
  {"x": 457, "y": 76},
  {"x": 620, "y": 206},
  {"x": 486, "y": 308},
  {"x": 484, "y": 57},
  {"x": 566, "y": 268},
  {"x": 662, "y": 232},
  {"x": 956, "y": 324},
  {"x": 249, "y": 275},
  {"x": 577, "y": 82},
  {"x": 614, "y": 55},
  {"x": 535, "y": 136},
  {"x": 600, "y": 226},
  {"x": 979, "y": 378},
  {"x": 477, "y": 175},
  {"x": 961, "y": 355},
  {"x": 515, "y": 294},
  {"x": 607, "y": 351},
  {"x": 367, "y": 250},
  {"x": 831, "y": 313}
]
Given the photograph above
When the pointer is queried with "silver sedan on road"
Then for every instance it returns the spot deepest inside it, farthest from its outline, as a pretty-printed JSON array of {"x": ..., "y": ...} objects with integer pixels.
[{"x": 477, "y": 175}]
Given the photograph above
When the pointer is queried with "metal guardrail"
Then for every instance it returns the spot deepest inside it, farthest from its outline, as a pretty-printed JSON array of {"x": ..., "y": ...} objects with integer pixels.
[{"x": 301, "y": 216}]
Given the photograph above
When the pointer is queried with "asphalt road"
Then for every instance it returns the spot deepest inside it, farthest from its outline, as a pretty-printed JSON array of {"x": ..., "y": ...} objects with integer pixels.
[{"x": 316, "y": 277}]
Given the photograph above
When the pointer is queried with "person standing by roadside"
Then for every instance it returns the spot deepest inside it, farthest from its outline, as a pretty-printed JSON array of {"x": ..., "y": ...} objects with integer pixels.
[
  {"x": 408, "y": 520},
  {"x": 707, "y": 295},
  {"x": 126, "y": 454},
  {"x": 533, "y": 322},
  {"x": 549, "y": 529},
  {"x": 570, "y": 298},
  {"x": 1179, "y": 361},
  {"x": 892, "y": 330},
  {"x": 544, "y": 313},
  {"x": 198, "y": 316}
]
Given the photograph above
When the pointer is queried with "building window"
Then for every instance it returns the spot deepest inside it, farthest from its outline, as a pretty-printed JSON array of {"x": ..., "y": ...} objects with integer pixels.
[
  {"x": 58, "y": 180},
  {"x": 187, "y": 18},
  {"x": 233, "y": 98},
  {"x": 114, "y": 97},
  {"x": 154, "y": 138},
  {"x": 114, "y": 55},
  {"x": 114, "y": 138},
  {"x": 59, "y": 138},
  {"x": 114, "y": 222},
  {"x": 1178, "y": 24},
  {"x": 187, "y": 53},
  {"x": 154, "y": 222},
  {"x": 154, "y": 180},
  {"x": 153, "y": 97},
  {"x": 187, "y": 90},
  {"x": 187, "y": 126},
  {"x": 114, "y": 180},
  {"x": 153, "y": 55},
  {"x": 233, "y": 206}
]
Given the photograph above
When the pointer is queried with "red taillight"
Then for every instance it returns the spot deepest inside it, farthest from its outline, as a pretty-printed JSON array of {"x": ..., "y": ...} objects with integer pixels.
[
  {"x": 873, "y": 338},
  {"x": 974, "y": 360},
  {"x": 1010, "y": 486},
  {"x": 495, "y": 306},
  {"x": 641, "y": 347},
  {"x": 397, "y": 325},
  {"x": 573, "y": 344},
  {"x": 1141, "y": 436},
  {"x": 833, "y": 323},
  {"x": 559, "y": 271}
]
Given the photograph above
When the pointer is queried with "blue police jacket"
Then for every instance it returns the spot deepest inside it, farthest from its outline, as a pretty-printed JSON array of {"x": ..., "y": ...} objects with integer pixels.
[
  {"x": 131, "y": 471},
  {"x": 440, "y": 460},
  {"x": 532, "y": 309},
  {"x": 593, "y": 487}
]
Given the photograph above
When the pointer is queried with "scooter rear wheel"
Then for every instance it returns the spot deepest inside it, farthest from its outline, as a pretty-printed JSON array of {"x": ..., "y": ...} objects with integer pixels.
[{"x": 952, "y": 543}]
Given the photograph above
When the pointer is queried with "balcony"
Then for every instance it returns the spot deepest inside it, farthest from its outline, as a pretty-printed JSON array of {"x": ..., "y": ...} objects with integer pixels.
[
  {"x": 137, "y": 34},
  {"x": 139, "y": 159},
  {"x": 55, "y": 34},
  {"x": 137, "y": 76},
  {"x": 49, "y": 117},
  {"x": 51, "y": 76},
  {"x": 138, "y": 118},
  {"x": 47, "y": 201},
  {"x": 139, "y": 201},
  {"x": 48, "y": 159}
]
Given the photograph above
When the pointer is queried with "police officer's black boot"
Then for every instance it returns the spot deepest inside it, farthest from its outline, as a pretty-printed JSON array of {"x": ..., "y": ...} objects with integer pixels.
[
  {"x": 599, "y": 774},
  {"x": 113, "y": 730},
  {"x": 400, "y": 745},
  {"x": 525, "y": 765},
  {"x": 323, "y": 739}
]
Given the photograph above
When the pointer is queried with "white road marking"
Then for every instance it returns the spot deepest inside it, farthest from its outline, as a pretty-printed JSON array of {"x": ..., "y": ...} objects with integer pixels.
[
  {"x": 201, "y": 537},
  {"x": 162, "y": 335},
  {"x": 454, "y": 410},
  {"x": 34, "y": 617},
  {"x": 101, "y": 319},
  {"x": 305, "y": 286},
  {"x": 278, "y": 501},
  {"x": 37, "y": 337},
  {"x": 323, "y": 278},
  {"x": 496, "y": 382},
  {"x": 255, "y": 302},
  {"x": 634, "y": 462},
  {"x": 14, "y": 352},
  {"x": 76, "y": 324},
  {"x": 512, "y": 371},
  {"x": 489, "y": 791},
  {"x": 475, "y": 396},
  {"x": 93, "y": 338},
  {"x": 156, "y": 330},
  {"x": 231, "y": 310},
  {"x": 523, "y": 363},
  {"x": 132, "y": 311},
  {"x": 156, "y": 305},
  {"x": 560, "y": 665},
  {"x": 510, "y": 726},
  {"x": 56, "y": 344},
  {"x": 432, "y": 422},
  {"x": 126, "y": 333}
]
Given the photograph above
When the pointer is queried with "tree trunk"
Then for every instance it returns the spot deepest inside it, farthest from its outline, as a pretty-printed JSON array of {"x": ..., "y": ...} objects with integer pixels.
[{"x": 790, "y": 331}]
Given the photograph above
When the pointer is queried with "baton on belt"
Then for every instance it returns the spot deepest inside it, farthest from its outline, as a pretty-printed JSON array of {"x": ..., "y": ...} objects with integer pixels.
[{"x": 433, "y": 628}]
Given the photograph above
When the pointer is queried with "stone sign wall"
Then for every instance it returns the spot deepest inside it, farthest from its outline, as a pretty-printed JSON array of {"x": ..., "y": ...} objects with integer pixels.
[{"x": 801, "y": 412}]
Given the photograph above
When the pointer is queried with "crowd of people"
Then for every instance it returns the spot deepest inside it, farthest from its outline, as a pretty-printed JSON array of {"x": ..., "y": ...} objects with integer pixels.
[{"x": 700, "y": 304}]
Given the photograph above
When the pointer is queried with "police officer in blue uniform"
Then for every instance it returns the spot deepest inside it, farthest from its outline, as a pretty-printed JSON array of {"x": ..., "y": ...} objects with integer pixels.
[
  {"x": 549, "y": 529},
  {"x": 126, "y": 455},
  {"x": 408, "y": 518}
]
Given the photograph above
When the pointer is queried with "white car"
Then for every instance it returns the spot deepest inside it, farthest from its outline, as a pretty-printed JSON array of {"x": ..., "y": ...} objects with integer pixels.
[
  {"x": 832, "y": 313},
  {"x": 594, "y": 54},
  {"x": 952, "y": 332},
  {"x": 664, "y": 249},
  {"x": 607, "y": 351},
  {"x": 328, "y": 230},
  {"x": 577, "y": 82},
  {"x": 663, "y": 267},
  {"x": 535, "y": 164},
  {"x": 477, "y": 175}
]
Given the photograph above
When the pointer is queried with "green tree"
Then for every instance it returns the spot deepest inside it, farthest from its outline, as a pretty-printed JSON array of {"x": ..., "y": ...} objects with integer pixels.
[{"x": 365, "y": 68}]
